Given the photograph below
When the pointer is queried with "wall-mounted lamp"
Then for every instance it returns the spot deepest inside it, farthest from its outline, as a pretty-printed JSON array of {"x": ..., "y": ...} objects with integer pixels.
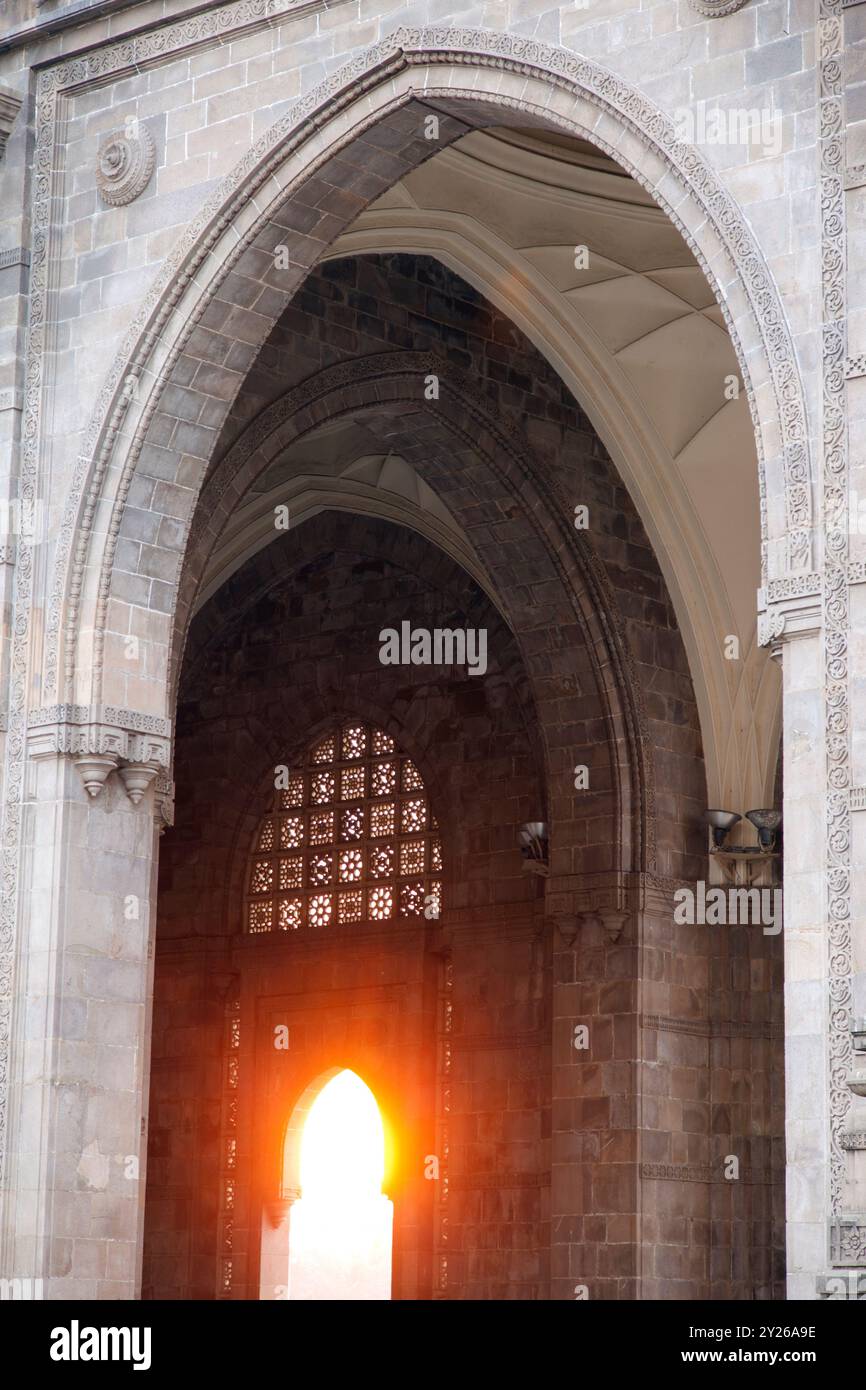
[
  {"x": 532, "y": 838},
  {"x": 721, "y": 822},
  {"x": 747, "y": 863},
  {"x": 766, "y": 823}
]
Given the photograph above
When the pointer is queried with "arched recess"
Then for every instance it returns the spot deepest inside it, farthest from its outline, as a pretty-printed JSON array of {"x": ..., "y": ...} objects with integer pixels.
[
  {"x": 475, "y": 465},
  {"x": 277, "y": 1185},
  {"x": 327, "y": 159},
  {"x": 273, "y": 1280}
]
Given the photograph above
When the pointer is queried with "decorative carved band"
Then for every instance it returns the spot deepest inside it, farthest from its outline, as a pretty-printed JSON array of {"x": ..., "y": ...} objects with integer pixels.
[
  {"x": 854, "y": 1140},
  {"x": 793, "y": 586},
  {"x": 705, "y": 1028},
  {"x": 677, "y": 1172},
  {"x": 836, "y": 367},
  {"x": 701, "y": 1172},
  {"x": 105, "y": 714},
  {"x": 16, "y": 255}
]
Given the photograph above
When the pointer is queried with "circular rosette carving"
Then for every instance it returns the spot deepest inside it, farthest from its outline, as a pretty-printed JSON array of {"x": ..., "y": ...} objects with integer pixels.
[
  {"x": 713, "y": 9},
  {"x": 124, "y": 165}
]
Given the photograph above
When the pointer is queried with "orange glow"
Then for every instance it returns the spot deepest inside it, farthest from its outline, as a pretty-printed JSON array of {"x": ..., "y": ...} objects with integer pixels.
[{"x": 340, "y": 1233}]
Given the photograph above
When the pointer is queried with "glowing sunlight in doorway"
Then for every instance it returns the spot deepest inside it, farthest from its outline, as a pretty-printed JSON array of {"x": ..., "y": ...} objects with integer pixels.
[{"x": 340, "y": 1233}]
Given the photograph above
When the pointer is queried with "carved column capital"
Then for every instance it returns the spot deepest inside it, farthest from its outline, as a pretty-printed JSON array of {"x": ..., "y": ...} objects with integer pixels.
[
  {"x": 605, "y": 901},
  {"x": 277, "y": 1213},
  {"x": 613, "y": 922},
  {"x": 789, "y": 608},
  {"x": 102, "y": 739},
  {"x": 567, "y": 926}
]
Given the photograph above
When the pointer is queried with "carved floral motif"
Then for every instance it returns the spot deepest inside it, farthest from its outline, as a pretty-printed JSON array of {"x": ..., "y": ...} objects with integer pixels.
[{"x": 124, "y": 165}]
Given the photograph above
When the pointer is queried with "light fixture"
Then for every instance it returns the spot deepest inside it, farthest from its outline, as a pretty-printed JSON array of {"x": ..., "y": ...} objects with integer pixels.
[
  {"x": 766, "y": 822},
  {"x": 721, "y": 822},
  {"x": 532, "y": 838}
]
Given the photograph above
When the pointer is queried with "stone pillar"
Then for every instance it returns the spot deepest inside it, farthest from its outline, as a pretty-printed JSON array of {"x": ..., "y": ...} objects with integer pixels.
[
  {"x": 848, "y": 1233},
  {"x": 80, "y": 1027},
  {"x": 806, "y": 1086},
  {"x": 825, "y": 941}
]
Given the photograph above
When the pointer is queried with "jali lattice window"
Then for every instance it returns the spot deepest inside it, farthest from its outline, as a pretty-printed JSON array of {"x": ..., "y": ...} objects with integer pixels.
[{"x": 350, "y": 839}]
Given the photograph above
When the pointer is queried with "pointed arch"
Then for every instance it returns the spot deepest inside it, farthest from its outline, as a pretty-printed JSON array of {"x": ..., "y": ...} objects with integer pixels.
[{"x": 301, "y": 185}]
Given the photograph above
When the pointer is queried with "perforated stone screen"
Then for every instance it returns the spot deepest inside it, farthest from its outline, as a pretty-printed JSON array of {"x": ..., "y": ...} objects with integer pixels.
[{"x": 350, "y": 839}]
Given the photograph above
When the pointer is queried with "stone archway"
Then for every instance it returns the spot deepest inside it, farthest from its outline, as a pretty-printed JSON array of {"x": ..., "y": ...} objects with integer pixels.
[
  {"x": 226, "y": 262},
  {"x": 295, "y": 183},
  {"x": 280, "y": 1213}
]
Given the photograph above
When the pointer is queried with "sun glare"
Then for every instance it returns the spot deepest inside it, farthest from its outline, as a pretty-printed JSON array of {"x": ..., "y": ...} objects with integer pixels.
[{"x": 340, "y": 1235}]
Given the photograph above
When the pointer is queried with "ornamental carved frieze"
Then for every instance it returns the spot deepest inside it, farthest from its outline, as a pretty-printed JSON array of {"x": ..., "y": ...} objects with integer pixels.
[
  {"x": 125, "y": 164},
  {"x": 701, "y": 1172}
]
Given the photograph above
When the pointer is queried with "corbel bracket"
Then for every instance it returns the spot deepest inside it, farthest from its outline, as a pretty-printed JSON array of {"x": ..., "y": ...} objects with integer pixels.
[{"x": 104, "y": 739}]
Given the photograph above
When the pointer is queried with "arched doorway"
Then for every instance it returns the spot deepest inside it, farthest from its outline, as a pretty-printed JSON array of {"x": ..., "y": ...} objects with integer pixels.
[{"x": 340, "y": 1227}]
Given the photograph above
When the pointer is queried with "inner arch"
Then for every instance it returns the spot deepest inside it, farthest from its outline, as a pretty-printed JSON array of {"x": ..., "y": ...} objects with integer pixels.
[{"x": 340, "y": 1229}]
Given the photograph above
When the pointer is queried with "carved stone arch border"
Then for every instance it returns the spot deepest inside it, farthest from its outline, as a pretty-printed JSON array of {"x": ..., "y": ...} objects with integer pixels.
[
  {"x": 473, "y": 75},
  {"x": 382, "y": 380}
]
